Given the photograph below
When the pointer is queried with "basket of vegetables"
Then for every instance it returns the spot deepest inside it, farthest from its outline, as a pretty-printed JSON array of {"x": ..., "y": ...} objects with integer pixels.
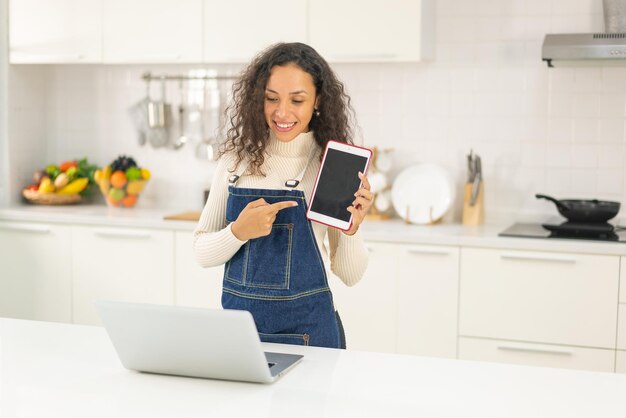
[{"x": 62, "y": 184}]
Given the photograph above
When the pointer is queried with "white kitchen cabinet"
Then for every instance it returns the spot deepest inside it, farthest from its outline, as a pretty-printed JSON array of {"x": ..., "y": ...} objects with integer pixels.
[
  {"x": 620, "y": 362},
  {"x": 533, "y": 354},
  {"x": 55, "y": 31},
  {"x": 233, "y": 36},
  {"x": 125, "y": 264},
  {"x": 540, "y": 297},
  {"x": 195, "y": 286},
  {"x": 35, "y": 271},
  {"x": 372, "y": 30},
  {"x": 145, "y": 31},
  {"x": 406, "y": 302},
  {"x": 428, "y": 278},
  {"x": 368, "y": 309}
]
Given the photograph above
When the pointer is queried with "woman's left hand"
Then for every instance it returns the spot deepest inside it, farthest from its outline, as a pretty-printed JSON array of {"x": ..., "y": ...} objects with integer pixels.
[{"x": 362, "y": 203}]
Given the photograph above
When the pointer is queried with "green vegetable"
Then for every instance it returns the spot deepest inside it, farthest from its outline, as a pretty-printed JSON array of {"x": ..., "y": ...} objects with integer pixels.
[{"x": 53, "y": 171}]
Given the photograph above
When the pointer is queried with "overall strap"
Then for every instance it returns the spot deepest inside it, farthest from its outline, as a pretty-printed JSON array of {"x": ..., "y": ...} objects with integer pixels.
[
  {"x": 243, "y": 166},
  {"x": 293, "y": 183}
]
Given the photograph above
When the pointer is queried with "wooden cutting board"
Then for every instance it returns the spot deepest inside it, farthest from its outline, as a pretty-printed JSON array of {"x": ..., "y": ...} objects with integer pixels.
[{"x": 184, "y": 216}]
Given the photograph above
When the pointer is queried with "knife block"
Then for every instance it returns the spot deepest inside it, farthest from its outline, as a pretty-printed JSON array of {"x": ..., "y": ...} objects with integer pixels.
[{"x": 473, "y": 215}]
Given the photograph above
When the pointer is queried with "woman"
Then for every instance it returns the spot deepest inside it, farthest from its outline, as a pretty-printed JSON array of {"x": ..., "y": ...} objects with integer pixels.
[{"x": 286, "y": 106}]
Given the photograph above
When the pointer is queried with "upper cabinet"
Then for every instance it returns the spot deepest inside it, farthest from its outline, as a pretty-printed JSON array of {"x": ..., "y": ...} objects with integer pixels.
[
  {"x": 55, "y": 31},
  {"x": 216, "y": 31},
  {"x": 152, "y": 31},
  {"x": 236, "y": 30},
  {"x": 372, "y": 30}
]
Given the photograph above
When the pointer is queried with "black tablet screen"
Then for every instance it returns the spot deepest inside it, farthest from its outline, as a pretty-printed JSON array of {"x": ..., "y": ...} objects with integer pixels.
[{"x": 337, "y": 184}]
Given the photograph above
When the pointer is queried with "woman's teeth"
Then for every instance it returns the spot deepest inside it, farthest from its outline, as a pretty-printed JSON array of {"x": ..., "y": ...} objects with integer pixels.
[{"x": 284, "y": 126}]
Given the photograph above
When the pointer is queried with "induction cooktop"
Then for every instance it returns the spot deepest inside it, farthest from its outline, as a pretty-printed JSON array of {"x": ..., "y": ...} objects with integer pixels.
[{"x": 560, "y": 229}]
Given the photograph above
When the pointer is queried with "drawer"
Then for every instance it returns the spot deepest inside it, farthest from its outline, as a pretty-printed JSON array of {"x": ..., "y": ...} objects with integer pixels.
[
  {"x": 621, "y": 327},
  {"x": 551, "y": 298},
  {"x": 620, "y": 362},
  {"x": 532, "y": 354}
]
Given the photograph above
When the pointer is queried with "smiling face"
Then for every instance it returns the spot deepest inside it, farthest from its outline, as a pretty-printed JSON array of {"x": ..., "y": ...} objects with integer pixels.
[{"x": 290, "y": 99}]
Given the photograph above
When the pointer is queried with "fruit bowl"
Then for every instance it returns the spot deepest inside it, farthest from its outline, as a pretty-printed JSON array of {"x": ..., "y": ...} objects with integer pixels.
[
  {"x": 63, "y": 184},
  {"x": 122, "y": 182},
  {"x": 39, "y": 198}
]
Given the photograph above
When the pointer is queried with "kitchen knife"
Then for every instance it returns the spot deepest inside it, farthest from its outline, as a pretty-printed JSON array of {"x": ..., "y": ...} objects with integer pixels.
[
  {"x": 477, "y": 179},
  {"x": 475, "y": 188}
]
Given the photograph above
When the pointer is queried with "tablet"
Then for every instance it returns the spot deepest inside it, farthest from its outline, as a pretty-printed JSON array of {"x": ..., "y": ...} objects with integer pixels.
[{"x": 336, "y": 183}]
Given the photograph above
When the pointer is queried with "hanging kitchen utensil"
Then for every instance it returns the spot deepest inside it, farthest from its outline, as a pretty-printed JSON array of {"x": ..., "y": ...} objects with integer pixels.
[
  {"x": 156, "y": 110},
  {"x": 580, "y": 210},
  {"x": 139, "y": 116},
  {"x": 159, "y": 120},
  {"x": 182, "y": 139}
]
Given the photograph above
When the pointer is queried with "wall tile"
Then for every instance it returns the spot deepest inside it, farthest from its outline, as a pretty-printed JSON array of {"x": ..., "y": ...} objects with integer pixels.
[
  {"x": 585, "y": 130},
  {"x": 560, "y": 130},
  {"x": 584, "y": 156},
  {"x": 611, "y": 130}
]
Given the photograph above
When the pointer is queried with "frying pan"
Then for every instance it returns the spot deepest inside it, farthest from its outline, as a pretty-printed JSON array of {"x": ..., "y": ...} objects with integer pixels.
[{"x": 584, "y": 210}]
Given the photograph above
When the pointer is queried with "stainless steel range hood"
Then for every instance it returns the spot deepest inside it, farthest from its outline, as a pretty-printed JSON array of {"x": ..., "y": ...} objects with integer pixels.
[{"x": 584, "y": 49}]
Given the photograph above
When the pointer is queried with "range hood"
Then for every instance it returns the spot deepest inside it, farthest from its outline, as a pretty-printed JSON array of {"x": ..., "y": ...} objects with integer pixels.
[{"x": 584, "y": 49}]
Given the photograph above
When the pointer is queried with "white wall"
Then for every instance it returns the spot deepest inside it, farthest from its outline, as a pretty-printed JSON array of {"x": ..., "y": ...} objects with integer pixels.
[
  {"x": 4, "y": 58},
  {"x": 558, "y": 131}
]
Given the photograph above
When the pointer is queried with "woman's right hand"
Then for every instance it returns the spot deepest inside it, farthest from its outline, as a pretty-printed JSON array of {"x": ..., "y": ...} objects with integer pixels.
[{"x": 257, "y": 218}]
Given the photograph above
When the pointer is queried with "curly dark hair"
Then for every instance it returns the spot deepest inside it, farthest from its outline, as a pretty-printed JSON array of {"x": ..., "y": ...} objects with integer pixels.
[{"x": 248, "y": 133}]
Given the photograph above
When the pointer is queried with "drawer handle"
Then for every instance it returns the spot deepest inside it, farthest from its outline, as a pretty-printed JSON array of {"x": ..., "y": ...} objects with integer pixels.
[
  {"x": 121, "y": 234},
  {"x": 27, "y": 228},
  {"x": 549, "y": 258},
  {"x": 427, "y": 252},
  {"x": 511, "y": 347}
]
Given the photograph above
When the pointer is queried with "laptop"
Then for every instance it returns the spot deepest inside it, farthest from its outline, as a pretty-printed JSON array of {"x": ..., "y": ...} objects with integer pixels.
[{"x": 208, "y": 343}]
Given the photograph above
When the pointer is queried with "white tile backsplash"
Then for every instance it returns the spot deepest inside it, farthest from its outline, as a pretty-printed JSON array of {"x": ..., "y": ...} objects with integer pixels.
[{"x": 559, "y": 131}]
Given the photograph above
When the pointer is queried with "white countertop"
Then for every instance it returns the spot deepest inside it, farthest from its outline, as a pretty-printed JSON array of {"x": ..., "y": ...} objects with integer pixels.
[
  {"x": 395, "y": 230},
  {"x": 62, "y": 370}
]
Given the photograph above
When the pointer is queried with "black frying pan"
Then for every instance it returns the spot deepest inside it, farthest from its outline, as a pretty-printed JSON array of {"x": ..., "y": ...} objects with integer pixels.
[{"x": 584, "y": 210}]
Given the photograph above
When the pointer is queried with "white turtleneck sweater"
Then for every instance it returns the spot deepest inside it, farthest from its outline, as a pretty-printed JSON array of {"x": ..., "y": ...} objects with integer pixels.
[{"x": 214, "y": 243}]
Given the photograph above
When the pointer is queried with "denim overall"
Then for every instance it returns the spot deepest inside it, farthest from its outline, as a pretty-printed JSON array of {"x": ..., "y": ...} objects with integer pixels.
[{"x": 280, "y": 278}]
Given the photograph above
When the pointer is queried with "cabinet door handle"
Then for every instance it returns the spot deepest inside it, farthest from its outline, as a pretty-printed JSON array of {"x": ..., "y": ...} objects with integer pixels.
[
  {"x": 549, "y": 258},
  {"x": 50, "y": 57},
  {"x": 121, "y": 234},
  {"x": 425, "y": 251},
  {"x": 544, "y": 350},
  {"x": 40, "y": 229},
  {"x": 156, "y": 57},
  {"x": 364, "y": 56}
]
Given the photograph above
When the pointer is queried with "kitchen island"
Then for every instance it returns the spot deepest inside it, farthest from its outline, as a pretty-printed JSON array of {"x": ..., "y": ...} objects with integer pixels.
[{"x": 63, "y": 370}]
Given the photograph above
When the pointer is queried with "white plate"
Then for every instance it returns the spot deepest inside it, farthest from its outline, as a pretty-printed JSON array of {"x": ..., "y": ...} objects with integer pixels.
[{"x": 423, "y": 193}]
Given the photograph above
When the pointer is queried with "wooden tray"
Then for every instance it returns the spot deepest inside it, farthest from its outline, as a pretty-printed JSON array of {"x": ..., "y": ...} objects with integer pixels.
[
  {"x": 185, "y": 216},
  {"x": 50, "y": 198}
]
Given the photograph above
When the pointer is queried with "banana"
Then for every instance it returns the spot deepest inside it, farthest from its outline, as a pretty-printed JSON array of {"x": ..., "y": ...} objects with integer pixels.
[
  {"x": 106, "y": 173},
  {"x": 76, "y": 186},
  {"x": 104, "y": 185},
  {"x": 46, "y": 186}
]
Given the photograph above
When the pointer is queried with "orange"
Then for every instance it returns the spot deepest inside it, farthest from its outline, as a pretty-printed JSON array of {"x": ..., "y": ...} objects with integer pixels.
[
  {"x": 129, "y": 200},
  {"x": 118, "y": 179}
]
